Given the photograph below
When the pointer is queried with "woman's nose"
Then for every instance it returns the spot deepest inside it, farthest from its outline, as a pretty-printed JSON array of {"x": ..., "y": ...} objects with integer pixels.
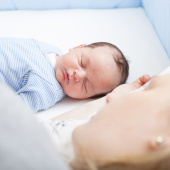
[{"x": 79, "y": 74}]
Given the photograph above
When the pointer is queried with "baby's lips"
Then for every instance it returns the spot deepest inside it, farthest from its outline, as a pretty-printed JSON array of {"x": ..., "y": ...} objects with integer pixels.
[{"x": 66, "y": 76}]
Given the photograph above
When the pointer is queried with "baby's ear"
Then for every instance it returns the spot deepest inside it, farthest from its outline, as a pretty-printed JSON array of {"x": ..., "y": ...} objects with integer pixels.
[
  {"x": 79, "y": 46},
  {"x": 159, "y": 142}
]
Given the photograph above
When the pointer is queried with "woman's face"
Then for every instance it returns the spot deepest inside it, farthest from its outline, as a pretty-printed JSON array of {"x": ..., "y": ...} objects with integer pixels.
[{"x": 128, "y": 126}]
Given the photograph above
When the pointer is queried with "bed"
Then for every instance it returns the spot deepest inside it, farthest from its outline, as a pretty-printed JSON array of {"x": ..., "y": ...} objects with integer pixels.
[
  {"x": 128, "y": 28},
  {"x": 140, "y": 28}
]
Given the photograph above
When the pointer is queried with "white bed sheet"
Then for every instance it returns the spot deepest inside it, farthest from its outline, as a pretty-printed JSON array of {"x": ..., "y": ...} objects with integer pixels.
[{"x": 129, "y": 29}]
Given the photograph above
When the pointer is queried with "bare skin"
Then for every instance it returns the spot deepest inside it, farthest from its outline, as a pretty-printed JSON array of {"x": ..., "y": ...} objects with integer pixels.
[
  {"x": 83, "y": 111},
  {"x": 84, "y": 72},
  {"x": 129, "y": 124}
]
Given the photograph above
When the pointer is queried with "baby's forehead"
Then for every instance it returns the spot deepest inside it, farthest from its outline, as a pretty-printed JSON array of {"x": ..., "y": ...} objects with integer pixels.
[
  {"x": 106, "y": 75},
  {"x": 103, "y": 57}
]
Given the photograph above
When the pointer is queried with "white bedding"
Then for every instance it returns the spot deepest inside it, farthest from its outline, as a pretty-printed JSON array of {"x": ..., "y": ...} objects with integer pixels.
[{"x": 129, "y": 29}]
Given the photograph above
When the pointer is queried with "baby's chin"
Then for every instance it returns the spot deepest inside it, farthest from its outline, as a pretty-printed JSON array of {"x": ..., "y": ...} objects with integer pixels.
[{"x": 76, "y": 95}]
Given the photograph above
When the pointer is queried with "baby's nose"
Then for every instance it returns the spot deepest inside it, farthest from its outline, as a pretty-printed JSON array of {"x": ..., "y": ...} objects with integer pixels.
[{"x": 79, "y": 74}]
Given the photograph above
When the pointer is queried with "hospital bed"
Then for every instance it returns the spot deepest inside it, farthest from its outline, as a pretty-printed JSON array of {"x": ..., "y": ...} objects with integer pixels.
[{"x": 140, "y": 28}]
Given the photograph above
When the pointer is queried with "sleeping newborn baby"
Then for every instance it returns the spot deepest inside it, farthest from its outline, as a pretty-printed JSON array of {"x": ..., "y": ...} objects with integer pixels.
[{"x": 42, "y": 75}]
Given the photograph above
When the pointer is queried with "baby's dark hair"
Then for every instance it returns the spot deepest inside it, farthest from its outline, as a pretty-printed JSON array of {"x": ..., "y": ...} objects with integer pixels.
[{"x": 120, "y": 59}]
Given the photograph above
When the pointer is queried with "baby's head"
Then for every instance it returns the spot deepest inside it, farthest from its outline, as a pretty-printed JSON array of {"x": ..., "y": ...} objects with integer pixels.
[{"x": 92, "y": 70}]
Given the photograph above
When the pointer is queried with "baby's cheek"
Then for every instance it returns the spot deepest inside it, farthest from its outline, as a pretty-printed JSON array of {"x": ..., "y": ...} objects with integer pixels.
[
  {"x": 59, "y": 76},
  {"x": 70, "y": 90},
  {"x": 64, "y": 62}
]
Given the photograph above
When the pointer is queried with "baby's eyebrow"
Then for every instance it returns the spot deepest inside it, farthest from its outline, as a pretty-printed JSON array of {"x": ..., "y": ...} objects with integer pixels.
[{"x": 87, "y": 61}]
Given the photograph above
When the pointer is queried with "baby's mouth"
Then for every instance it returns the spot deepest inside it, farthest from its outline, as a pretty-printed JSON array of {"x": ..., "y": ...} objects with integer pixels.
[{"x": 67, "y": 77}]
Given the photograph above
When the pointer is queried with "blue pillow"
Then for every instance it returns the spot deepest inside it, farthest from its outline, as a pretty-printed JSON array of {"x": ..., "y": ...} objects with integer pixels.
[
  {"x": 66, "y": 4},
  {"x": 158, "y": 12}
]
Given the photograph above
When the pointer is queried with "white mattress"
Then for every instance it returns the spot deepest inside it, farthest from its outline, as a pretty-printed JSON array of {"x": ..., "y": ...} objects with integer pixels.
[{"x": 129, "y": 29}]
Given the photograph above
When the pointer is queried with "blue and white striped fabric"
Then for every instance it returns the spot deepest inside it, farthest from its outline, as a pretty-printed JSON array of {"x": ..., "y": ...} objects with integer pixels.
[{"x": 26, "y": 68}]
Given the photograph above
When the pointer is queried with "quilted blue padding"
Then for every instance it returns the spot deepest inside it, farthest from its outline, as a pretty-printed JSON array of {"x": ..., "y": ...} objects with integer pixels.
[
  {"x": 158, "y": 11},
  {"x": 66, "y": 4}
]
